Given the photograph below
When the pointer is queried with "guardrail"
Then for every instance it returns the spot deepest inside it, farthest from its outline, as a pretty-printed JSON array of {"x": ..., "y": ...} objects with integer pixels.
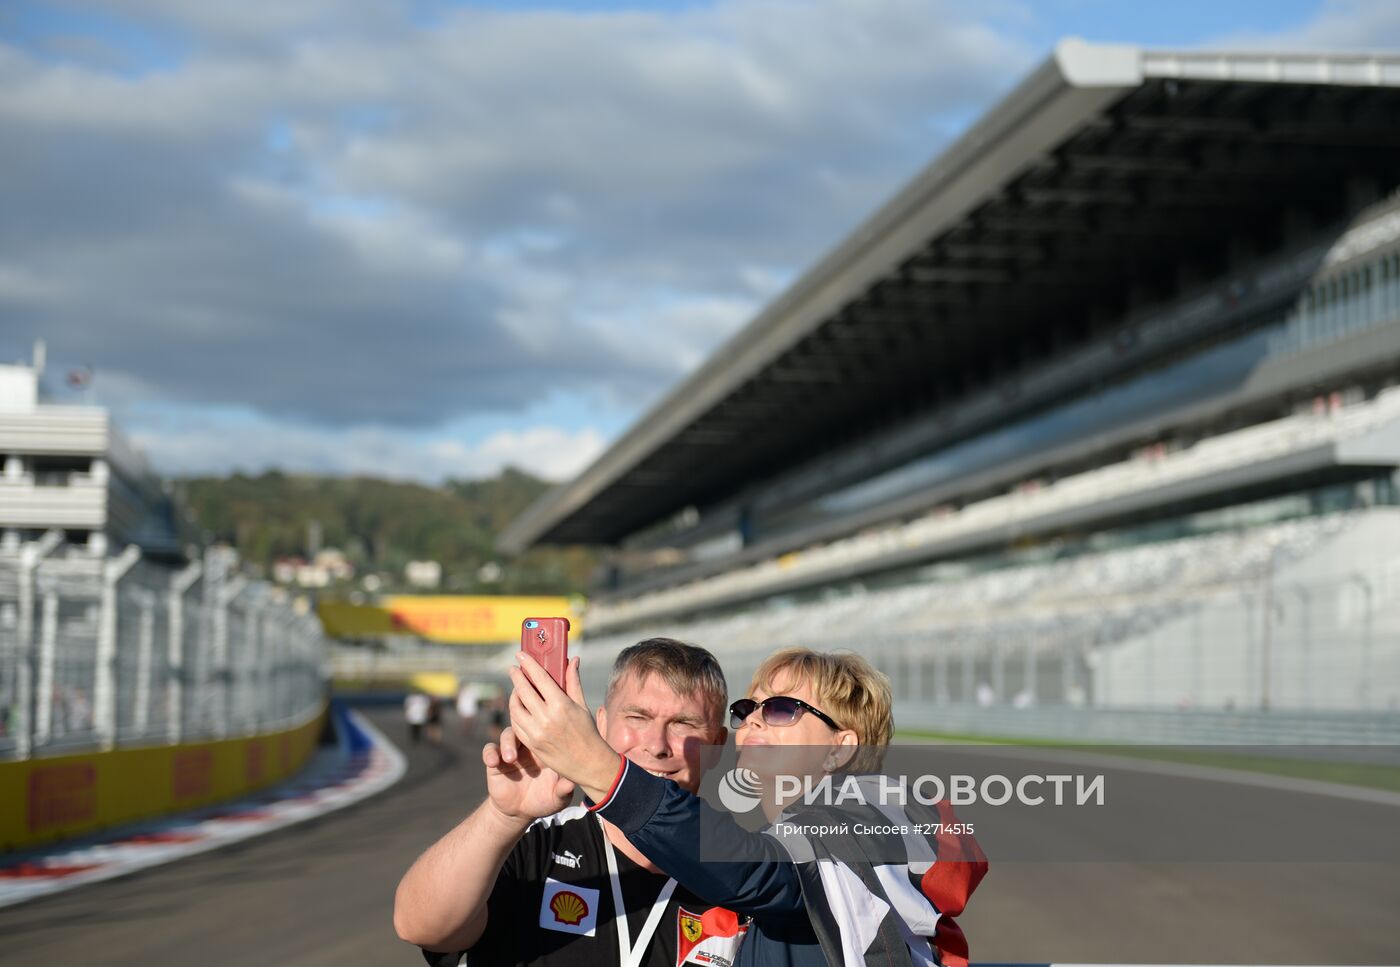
[{"x": 354, "y": 663}]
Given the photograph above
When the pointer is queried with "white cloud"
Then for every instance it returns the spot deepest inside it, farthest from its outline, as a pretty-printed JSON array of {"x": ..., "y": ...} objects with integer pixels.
[
  {"x": 344, "y": 219},
  {"x": 215, "y": 444},
  {"x": 544, "y": 451}
]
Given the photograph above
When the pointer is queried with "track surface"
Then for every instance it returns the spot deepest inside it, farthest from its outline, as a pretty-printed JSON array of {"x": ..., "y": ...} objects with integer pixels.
[
  {"x": 317, "y": 894},
  {"x": 321, "y": 894}
]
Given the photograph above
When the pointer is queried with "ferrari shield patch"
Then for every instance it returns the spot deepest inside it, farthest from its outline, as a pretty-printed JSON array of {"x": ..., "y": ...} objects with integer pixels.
[{"x": 711, "y": 938}]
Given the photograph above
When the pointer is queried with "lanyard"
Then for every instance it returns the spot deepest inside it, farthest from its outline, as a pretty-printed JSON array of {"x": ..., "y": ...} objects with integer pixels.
[{"x": 632, "y": 955}]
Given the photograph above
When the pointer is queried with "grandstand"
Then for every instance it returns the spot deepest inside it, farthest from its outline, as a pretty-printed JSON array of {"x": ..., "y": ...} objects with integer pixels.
[{"x": 1100, "y": 412}]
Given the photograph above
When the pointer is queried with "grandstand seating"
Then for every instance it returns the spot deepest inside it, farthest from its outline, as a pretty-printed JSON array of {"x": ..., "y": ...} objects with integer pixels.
[
  {"x": 1082, "y": 629},
  {"x": 1207, "y": 459}
]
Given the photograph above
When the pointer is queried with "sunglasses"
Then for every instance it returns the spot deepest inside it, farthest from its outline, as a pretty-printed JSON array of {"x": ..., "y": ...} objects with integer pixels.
[{"x": 778, "y": 710}]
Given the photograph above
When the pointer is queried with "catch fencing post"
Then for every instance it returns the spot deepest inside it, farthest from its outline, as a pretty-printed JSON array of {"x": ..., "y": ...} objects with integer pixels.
[
  {"x": 1364, "y": 686},
  {"x": 222, "y": 671},
  {"x": 917, "y": 656},
  {"x": 104, "y": 699},
  {"x": 48, "y": 648},
  {"x": 1032, "y": 668},
  {"x": 940, "y": 668},
  {"x": 175, "y": 694},
  {"x": 1068, "y": 672},
  {"x": 969, "y": 670},
  {"x": 145, "y": 648},
  {"x": 29, "y": 559},
  {"x": 1198, "y": 686},
  {"x": 255, "y": 635},
  {"x": 998, "y": 668}
]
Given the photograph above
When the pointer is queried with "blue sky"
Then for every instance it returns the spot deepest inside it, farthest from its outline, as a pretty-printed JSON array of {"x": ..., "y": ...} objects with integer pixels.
[{"x": 427, "y": 239}]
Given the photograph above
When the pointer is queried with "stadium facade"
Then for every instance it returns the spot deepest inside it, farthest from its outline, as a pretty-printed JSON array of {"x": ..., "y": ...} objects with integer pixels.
[{"x": 1099, "y": 411}]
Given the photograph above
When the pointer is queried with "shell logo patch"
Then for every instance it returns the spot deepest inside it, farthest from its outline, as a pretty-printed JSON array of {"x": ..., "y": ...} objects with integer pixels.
[
  {"x": 710, "y": 939},
  {"x": 569, "y": 908}
]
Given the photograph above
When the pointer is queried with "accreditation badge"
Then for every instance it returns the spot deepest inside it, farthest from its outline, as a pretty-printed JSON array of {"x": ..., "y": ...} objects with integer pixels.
[{"x": 711, "y": 938}]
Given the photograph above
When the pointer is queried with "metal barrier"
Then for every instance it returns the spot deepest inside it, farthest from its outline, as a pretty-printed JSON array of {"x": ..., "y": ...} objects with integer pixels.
[
  {"x": 97, "y": 653},
  {"x": 364, "y": 664},
  {"x": 1287, "y": 632},
  {"x": 1249, "y": 727}
]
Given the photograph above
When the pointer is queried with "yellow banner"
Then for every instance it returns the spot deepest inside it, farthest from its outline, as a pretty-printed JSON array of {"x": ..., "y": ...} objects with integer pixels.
[{"x": 450, "y": 619}]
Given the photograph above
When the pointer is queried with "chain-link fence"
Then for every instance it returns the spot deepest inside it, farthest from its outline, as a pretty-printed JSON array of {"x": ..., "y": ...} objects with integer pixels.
[
  {"x": 1290, "y": 630},
  {"x": 97, "y": 653}
]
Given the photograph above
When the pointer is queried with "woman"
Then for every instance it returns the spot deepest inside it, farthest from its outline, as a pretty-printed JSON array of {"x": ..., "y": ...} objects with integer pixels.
[{"x": 812, "y": 899}]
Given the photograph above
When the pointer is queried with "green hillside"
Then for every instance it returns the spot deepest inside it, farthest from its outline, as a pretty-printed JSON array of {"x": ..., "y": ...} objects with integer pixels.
[{"x": 381, "y": 525}]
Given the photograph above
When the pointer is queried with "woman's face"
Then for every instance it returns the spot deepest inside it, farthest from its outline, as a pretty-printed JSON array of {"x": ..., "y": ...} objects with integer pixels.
[
  {"x": 802, "y": 748},
  {"x": 807, "y": 730}
]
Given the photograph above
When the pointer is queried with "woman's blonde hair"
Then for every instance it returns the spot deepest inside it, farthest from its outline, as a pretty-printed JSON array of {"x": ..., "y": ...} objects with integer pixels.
[{"x": 846, "y": 687}]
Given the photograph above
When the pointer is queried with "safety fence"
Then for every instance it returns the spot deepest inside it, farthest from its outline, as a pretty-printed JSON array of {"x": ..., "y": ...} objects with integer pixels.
[
  {"x": 100, "y": 653},
  {"x": 1288, "y": 632}
]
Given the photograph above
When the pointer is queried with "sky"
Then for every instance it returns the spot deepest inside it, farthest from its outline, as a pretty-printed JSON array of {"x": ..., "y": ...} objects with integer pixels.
[{"x": 423, "y": 239}]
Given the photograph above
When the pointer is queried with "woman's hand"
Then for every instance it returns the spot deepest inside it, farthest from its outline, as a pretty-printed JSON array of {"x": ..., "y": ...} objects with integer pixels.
[{"x": 558, "y": 729}]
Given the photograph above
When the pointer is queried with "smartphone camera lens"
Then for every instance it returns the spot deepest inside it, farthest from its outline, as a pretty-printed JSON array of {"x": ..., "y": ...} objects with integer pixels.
[{"x": 532, "y": 624}]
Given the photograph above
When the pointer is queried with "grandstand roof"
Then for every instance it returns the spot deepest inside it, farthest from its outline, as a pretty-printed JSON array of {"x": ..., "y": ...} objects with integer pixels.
[{"x": 1093, "y": 182}]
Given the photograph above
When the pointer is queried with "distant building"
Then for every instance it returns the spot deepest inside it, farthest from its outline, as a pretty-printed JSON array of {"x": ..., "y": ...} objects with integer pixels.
[
  {"x": 285, "y": 569},
  {"x": 324, "y": 569},
  {"x": 68, "y": 468},
  {"x": 423, "y": 574}
]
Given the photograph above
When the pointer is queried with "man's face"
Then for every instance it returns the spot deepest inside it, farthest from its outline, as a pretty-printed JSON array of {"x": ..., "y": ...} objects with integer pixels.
[{"x": 657, "y": 729}]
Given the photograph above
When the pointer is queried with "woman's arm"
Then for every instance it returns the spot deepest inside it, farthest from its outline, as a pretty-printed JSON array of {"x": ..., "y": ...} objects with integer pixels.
[{"x": 703, "y": 848}]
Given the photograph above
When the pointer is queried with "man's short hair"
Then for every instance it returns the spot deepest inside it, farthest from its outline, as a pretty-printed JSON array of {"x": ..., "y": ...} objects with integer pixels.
[
  {"x": 686, "y": 669},
  {"x": 846, "y": 687}
]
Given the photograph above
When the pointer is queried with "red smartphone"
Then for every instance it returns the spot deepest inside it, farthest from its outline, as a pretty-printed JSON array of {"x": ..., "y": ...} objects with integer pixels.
[{"x": 547, "y": 641}]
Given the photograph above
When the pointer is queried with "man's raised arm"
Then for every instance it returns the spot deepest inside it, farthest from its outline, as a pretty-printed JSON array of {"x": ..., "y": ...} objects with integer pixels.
[{"x": 441, "y": 902}]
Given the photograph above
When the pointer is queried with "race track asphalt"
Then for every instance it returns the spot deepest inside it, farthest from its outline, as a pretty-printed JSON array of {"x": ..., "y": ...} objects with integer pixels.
[{"x": 321, "y": 894}]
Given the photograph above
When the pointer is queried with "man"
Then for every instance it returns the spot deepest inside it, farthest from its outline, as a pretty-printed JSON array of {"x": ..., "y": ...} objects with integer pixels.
[
  {"x": 415, "y": 714},
  {"x": 524, "y": 880},
  {"x": 468, "y": 705}
]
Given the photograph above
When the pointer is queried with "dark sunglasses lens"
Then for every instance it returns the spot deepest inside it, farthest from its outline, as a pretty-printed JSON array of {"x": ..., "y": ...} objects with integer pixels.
[
  {"x": 740, "y": 711},
  {"x": 781, "y": 710}
]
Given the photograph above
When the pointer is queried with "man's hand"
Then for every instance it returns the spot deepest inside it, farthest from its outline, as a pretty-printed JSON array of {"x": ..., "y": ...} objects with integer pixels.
[
  {"x": 517, "y": 786},
  {"x": 442, "y": 901},
  {"x": 558, "y": 728}
]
